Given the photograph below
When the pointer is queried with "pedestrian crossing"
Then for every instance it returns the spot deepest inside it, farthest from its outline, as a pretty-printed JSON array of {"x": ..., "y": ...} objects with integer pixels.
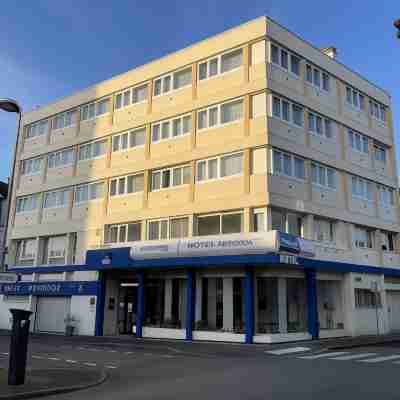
[{"x": 351, "y": 356}]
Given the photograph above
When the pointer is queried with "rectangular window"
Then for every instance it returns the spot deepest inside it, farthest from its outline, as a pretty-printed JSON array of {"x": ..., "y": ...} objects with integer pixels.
[
  {"x": 26, "y": 251},
  {"x": 173, "y": 81},
  {"x": 216, "y": 224},
  {"x": 169, "y": 228},
  {"x": 219, "y": 167},
  {"x": 172, "y": 128},
  {"x": 320, "y": 125},
  {"x": 358, "y": 142},
  {"x": 287, "y": 222},
  {"x": 57, "y": 198},
  {"x": 60, "y": 158},
  {"x": 122, "y": 233},
  {"x": 92, "y": 150},
  {"x": 131, "y": 96},
  {"x": 377, "y": 110},
  {"x": 363, "y": 238},
  {"x": 89, "y": 191},
  {"x": 388, "y": 239},
  {"x": 366, "y": 298},
  {"x": 259, "y": 221},
  {"x": 27, "y": 203},
  {"x": 95, "y": 109},
  {"x": 324, "y": 230},
  {"x": 166, "y": 178},
  {"x": 127, "y": 185},
  {"x": 55, "y": 250},
  {"x": 182, "y": 78},
  {"x": 361, "y": 188},
  {"x": 288, "y": 112},
  {"x": 285, "y": 59},
  {"x": 323, "y": 176},
  {"x": 31, "y": 166},
  {"x": 64, "y": 120},
  {"x": 317, "y": 78},
  {"x": 386, "y": 196},
  {"x": 380, "y": 153},
  {"x": 355, "y": 98},
  {"x": 37, "y": 129},
  {"x": 288, "y": 164},
  {"x": 220, "y": 114},
  {"x": 128, "y": 140}
]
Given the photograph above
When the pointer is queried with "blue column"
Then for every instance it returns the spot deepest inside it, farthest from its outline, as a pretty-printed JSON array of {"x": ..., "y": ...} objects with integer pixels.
[
  {"x": 100, "y": 303},
  {"x": 249, "y": 304},
  {"x": 190, "y": 303},
  {"x": 140, "y": 304},
  {"x": 312, "y": 303}
]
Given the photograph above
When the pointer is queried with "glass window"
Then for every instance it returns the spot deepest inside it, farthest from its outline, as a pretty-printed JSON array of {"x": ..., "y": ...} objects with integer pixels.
[
  {"x": 299, "y": 168},
  {"x": 325, "y": 82},
  {"x": 182, "y": 78},
  {"x": 139, "y": 94},
  {"x": 284, "y": 59},
  {"x": 232, "y": 223},
  {"x": 231, "y": 60},
  {"x": 276, "y": 107},
  {"x": 324, "y": 230},
  {"x": 275, "y": 54},
  {"x": 231, "y": 111},
  {"x": 202, "y": 71},
  {"x": 259, "y": 221},
  {"x": 309, "y": 76},
  {"x": 157, "y": 87},
  {"x": 179, "y": 228},
  {"x": 232, "y": 164},
  {"x": 295, "y": 65},
  {"x": 287, "y": 164},
  {"x": 285, "y": 111},
  {"x": 297, "y": 115},
  {"x": 208, "y": 225},
  {"x": 277, "y": 221}
]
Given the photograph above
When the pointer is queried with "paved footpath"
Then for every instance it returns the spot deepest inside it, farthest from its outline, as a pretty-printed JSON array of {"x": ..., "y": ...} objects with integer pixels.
[{"x": 144, "y": 369}]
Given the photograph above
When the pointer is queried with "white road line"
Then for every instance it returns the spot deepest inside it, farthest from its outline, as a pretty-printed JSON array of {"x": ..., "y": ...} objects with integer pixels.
[
  {"x": 71, "y": 361},
  {"x": 90, "y": 364},
  {"x": 289, "y": 350},
  {"x": 4, "y": 354},
  {"x": 111, "y": 366},
  {"x": 39, "y": 357},
  {"x": 354, "y": 356},
  {"x": 53, "y": 358},
  {"x": 380, "y": 359},
  {"x": 324, "y": 355}
]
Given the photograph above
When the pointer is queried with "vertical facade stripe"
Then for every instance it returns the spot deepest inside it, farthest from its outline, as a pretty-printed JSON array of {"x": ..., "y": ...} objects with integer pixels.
[
  {"x": 312, "y": 303},
  {"x": 190, "y": 304},
  {"x": 249, "y": 304},
  {"x": 100, "y": 303},
  {"x": 140, "y": 304}
]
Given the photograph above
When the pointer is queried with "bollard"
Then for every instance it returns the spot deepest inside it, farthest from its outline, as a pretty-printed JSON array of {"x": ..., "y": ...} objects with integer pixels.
[{"x": 18, "y": 346}]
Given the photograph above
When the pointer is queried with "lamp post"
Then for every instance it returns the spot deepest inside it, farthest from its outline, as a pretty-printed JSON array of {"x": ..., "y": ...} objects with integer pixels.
[
  {"x": 397, "y": 26},
  {"x": 10, "y": 105}
]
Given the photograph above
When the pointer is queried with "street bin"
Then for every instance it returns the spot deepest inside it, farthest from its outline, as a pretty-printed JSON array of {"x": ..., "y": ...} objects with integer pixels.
[{"x": 18, "y": 346}]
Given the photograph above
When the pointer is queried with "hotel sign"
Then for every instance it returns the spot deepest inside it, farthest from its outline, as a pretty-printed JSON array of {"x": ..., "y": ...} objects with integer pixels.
[{"x": 231, "y": 244}]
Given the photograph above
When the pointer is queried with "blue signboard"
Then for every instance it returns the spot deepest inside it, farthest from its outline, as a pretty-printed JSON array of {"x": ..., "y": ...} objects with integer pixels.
[
  {"x": 289, "y": 243},
  {"x": 59, "y": 288}
]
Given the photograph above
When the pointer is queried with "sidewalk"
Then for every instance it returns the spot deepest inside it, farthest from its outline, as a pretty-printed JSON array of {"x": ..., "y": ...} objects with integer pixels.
[{"x": 43, "y": 382}]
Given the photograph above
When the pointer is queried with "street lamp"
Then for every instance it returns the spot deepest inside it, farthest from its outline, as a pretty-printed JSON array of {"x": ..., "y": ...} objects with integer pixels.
[
  {"x": 397, "y": 26},
  {"x": 10, "y": 105}
]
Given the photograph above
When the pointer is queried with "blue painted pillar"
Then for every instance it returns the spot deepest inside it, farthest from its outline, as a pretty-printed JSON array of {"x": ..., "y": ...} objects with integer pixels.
[
  {"x": 190, "y": 303},
  {"x": 312, "y": 303},
  {"x": 100, "y": 303},
  {"x": 140, "y": 304},
  {"x": 249, "y": 304}
]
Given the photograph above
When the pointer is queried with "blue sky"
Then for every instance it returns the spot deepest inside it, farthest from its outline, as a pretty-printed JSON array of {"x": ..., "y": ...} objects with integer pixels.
[{"x": 51, "y": 48}]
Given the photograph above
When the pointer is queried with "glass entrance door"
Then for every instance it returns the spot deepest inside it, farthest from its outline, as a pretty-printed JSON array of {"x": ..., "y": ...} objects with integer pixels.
[{"x": 127, "y": 309}]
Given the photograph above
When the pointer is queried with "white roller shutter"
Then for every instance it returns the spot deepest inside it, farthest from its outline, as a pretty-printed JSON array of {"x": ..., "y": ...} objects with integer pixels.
[{"x": 51, "y": 313}]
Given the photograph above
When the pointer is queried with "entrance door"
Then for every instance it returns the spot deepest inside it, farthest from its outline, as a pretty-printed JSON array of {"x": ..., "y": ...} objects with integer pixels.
[
  {"x": 393, "y": 299},
  {"x": 51, "y": 313},
  {"x": 127, "y": 310}
]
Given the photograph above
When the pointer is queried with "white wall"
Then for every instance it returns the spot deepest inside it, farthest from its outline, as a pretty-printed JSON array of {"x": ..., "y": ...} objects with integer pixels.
[{"x": 85, "y": 314}]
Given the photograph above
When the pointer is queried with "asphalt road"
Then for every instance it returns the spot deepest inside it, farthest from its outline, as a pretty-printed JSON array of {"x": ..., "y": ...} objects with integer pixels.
[{"x": 177, "y": 370}]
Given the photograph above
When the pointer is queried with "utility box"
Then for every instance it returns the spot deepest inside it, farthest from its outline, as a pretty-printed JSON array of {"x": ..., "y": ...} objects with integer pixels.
[{"x": 18, "y": 346}]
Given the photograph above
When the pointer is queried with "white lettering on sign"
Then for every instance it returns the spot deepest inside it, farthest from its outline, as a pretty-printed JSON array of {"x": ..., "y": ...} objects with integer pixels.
[
  {"x": 8, "y": 277},
  {"x": 287, "y": 259}
]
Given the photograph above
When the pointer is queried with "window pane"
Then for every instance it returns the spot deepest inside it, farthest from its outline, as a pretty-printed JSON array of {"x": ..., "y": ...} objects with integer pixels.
[
  {"x": 277, "y": 166},
  {"x": 202, "y": 71},
  {"x": 202, "y": 119},
  {"x": 186, "y": 124},
  {"x": 259, "y": 222},
  {"x": 293, "y": 224},
  {"x": 179, "y": 228},
  {"x": 314, "y": 173},
  {"x": 295, "y": 64},
  {"x": 167, "y": 84},
  {"x": 113, "y": 187},
  {"x": 182, "y": 78},
  {"x": 297, "y": 115},
  {"x": 287, "y": 164},
  {"x": 331, "y": 178},
  {"x": 321, "y": 175},
  {"x": 213, "y": 116},
  {"x": 201, "y": 170},
  {"x": 274, "y": 54},
  {"x": 309, "y": 77},
  {"x": 137, "y": 138},
  {"x": 276, "y": 107},
  {"x": 177, "y": 177},
  {"x": 284, "y": 59},
  {"x": 155, "y": 180},
  {"x": 157, "y": 87},
  {"x": 317, "y": 78},
  {"x": 213, "y": 67},
  {"x": 164, "y": 229},
  {"x": 285, "y": 110},
  {"x": 139, "y": 94},
  {"x": 311, "y": 122},
  {"x": 122, "y": 234},
  {"x": 208, "y": 225},
  {"x": 213, "y": 169},
  {"x": 116, "y": 141},
  {"x": 177, "y": 127},
  {"x": 165, "y": 130},
  {"x": 231, "y": 223},
  {"x": 121, "y": 185},
  {"x": 127, "y": 98},
  {"x": 328, "y": 128},
  {"x": 365, "y": 142},
  {"x": 231, "y": 165},
  {"x": 299, "y": 169},
  {"x": 325, "y": 81},
  {"x": 231, "y": 111},
  {"x": 166, "y": 179},
  {"x": 277, "y": 221},
  {"x": 231, "y": 60},
  {"x": 156, "y": 133},
  {"x": 124, "y": 141},
  {"x": 133, "y": 232},
  {"x": 154, "y": 230},
  {"x": 186, "y": 175}
]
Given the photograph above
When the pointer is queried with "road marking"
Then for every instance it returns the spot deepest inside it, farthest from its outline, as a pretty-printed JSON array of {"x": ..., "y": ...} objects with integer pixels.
[
  {"x": 354, "y": 356},
  {"x": 90, "y": 364},
  {"x": 289, "y": 350},
  {"x": 111, "y": 366},
  {"x": 71, "y": 361},
  {"x": 324, "y": 355},
  {"x": 112, "y": 351},
  {"x": 39, "y": 357},
  {"x": 380, "y": 359},
  {"x": 53, "y": 358},
  {"x": 4, "y": 354}
]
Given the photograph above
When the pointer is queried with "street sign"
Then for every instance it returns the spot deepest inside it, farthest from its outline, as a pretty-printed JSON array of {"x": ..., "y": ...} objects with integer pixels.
[{"x": 8, "y": 277}]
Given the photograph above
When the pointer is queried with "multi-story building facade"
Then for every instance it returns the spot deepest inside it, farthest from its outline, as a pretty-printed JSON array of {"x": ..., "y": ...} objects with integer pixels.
[{"x": 241, "y": 189}]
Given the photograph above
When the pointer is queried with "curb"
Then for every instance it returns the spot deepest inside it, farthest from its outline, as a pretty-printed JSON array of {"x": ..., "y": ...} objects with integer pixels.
[
  {"x": 56, "y": 390},
  {"x": 366, "y": 344}
]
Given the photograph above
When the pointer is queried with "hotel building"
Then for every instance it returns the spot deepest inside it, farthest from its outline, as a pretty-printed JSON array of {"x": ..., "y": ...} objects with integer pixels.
[{"x": 241, "y": 189}]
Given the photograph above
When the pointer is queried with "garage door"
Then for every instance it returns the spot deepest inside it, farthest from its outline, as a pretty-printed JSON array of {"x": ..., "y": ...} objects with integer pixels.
[
  {"x": 393, "y": 299},
  {"x": 51, "y": 313}
]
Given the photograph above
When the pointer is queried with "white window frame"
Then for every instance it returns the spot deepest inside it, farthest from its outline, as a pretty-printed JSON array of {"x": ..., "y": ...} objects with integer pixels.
[
  {"x": 89, "y": 190},
  {"x": 264, "y": 213},
  {"x": 57, "y": 205},
  {"x": 355, "y": 94},
  {"x": 383, "y": 150},
  {"x": 363, "y": 183},
  {"x": 291, "y": 113},
  {"x": 171, "y": 177},
  {"x": 389, "y": 192},
  {"x": 171, "y": 75},
  {"x": 219, "y": 160},
  {"x": 32, "y": 162},
  {"x": 332, "y": 224},
  {"x": 378, "y": 111},
  {"x": 128, "y": 133},
  {"x": 92, "y": 144},
  {"x": 218, "y": 58},
  {"x": 322, "y": 74},
  {"x": 370, "y": 238},
  {"x": 170, "y": 123},
  {"x": 285, "y": 215},
  {"x": 125, "y": 192},
  {"x": 219, "y": 113},
  {"x": 119, "y": 226},
  {"x": 220, "y": 215},
  {"x": 23, "y": 243},
  {"x": 323, "y": 125},
  {"x": 37, "y": 127},
  {"x": 63, "y": 253},
  {"x": 275, "y": 170},
  {"x": 60, "y": 152},
  {"x": 290, "y": 54},
  {"x": 95, "y": 105},
  {"x": 325, "y": 168},
  {"x": 168, "y": 220},
  {"x": 362, "y": 141},
  {"x": 64, "y": 117},
  {"x": 31, "y": 197},
  {"x": 131, "y": 90}
]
